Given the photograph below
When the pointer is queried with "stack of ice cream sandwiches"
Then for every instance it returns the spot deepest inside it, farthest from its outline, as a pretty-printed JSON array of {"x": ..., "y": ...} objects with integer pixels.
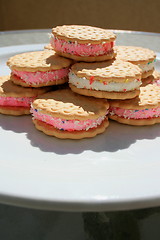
[
  {"x": 32, "y": 74},
  {"x": 104, "y": 81}
]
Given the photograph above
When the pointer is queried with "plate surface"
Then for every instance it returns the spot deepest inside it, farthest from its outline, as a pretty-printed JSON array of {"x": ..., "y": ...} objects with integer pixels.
[{"x": 113, "y": 171}]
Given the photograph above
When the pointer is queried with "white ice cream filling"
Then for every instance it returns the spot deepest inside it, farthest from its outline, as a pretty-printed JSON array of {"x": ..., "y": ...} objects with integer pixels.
[
  {"x": 146, "y": 67},
  {"x": 104, "y": 86}
]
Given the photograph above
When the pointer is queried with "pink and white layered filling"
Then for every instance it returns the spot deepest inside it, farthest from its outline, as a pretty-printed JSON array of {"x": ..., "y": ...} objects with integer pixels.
[
  {"x": 16, "y": 101},
  {"x": 67, "y": 125},
  {"x": 78, "y": 49},
  {"x": 135, "y": 114},
  {"x": 41, "y": 77}
]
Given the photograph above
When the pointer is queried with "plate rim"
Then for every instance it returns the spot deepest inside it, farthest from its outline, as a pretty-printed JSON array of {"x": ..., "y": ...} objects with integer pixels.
[{"x": 49, "y": 29}]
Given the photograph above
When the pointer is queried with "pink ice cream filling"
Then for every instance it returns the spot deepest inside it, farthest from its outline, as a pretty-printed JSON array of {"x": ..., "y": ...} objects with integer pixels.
[
  {"x": 135, "y": 114},
  {"x": 79, "y": 49},
  {"x": 41, "y": 77},
  {"x": 67, "y": 125},
  {"x": 157, "y": 82},
  {"x": 16, "y": 101}
]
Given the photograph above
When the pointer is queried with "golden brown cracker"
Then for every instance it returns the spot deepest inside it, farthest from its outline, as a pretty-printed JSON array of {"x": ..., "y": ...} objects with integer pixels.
[
  {"x": 38, "y": 61},
  {"x": 9, "y": 89},
  {"x": 50, "y": 130},
  {"x": 149, "y": 97},
  {"x": 105, "y": 94},
  {"x": 83, "y": 34},
  {"x": 110, "y": 71},
  {"x": 68, "y": 105},
  {"x": 134, "y": 54},
  {"x": 136, "y": 122},
  {"x": 15, "y": 111}
]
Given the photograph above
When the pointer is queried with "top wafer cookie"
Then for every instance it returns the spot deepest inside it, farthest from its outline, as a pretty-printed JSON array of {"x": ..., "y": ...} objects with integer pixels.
[
  {"x": 149, "y": 97},
  {"x": 134, "y": 54},
  {"x": 9, "y": 89},
  {"x": 83, "y": 34},
  {"x": 113, "y": 70},
  {"x": 69, "y": 105},
  {"x": 37, "y": 61}
]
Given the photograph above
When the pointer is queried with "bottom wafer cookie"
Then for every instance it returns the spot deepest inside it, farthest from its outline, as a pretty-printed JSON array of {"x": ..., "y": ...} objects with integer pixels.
[
  {"x": 50, "y": 130},
  {"x": 15, "y": 111},
  {"x": 104, "y": 94},
  {"x": 137, "y": 122}
]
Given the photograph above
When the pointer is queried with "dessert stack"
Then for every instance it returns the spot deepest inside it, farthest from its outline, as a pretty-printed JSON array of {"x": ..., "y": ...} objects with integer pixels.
[
  {"x": 31, "y": 75},
  {"x": 104, "y": 81}
]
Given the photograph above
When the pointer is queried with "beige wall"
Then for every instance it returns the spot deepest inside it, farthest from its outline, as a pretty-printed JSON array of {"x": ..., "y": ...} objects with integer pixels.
[{"x": 141, "y": 15}]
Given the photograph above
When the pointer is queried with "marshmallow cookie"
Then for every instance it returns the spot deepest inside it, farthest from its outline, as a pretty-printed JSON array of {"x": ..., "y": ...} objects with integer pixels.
[
  {"x": 65, "y": 114},
  {"x": 83, "y": 43},
  {"x": 112, "y": 79},
  {"x": 38, "y": 69},
  {"x": 144, "y": 58},
  {"x": 16, "y": 100},
  {"x": 142, "y": 110}
]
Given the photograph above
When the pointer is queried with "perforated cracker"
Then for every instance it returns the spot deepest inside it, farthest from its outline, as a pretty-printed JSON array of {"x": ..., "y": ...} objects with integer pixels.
[
  {"x": 105, "y": 94},
  {"x": 38, "y": 61},
  {"x": 83, "y": 34},
  {"x": 9, "y": 89},
  {"x": 136, "y": 55},
  {"x": 135, "y": 122},
  {"x": 15, "y": 111},
  {"x": 67, "y": 105},
  {"x": 149, "y": 97},
  {"x": 113, "y": 70},
  {"x": 51, "y": 131}
]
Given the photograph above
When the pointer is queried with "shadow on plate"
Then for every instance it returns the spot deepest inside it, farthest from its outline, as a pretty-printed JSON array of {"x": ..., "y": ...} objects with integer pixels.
[{"x": 116, "y": 137}]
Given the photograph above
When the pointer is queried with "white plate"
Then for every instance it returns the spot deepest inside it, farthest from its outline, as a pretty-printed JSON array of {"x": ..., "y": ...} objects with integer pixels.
[{"x": 115, "y": 170}]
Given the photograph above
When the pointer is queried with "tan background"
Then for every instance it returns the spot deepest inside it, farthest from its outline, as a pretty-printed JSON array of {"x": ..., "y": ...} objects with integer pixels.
[{"x": 141, "y": 15}]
